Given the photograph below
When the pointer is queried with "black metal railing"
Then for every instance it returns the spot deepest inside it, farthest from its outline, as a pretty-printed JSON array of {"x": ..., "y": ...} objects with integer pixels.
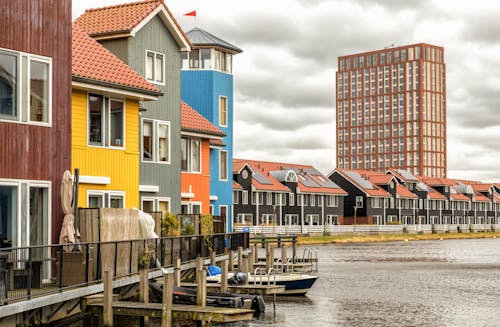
[{"x": 26, "y": 272}]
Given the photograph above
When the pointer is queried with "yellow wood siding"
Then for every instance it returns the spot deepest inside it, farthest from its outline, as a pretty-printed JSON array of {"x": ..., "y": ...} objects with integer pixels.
[{"x": 121, "y": 166}]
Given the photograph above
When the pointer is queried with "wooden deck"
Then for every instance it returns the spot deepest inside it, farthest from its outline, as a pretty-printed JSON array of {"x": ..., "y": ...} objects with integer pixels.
[
  {"x": 243, "y": 289},
  {"x": 182, "y": 312}
]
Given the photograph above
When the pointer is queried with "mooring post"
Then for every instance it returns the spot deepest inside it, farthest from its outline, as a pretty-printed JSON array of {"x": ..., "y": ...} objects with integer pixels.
[
  {"x": 212, "y": 258},
  {"x": 231, "y": 261},
  {"x": 223, "y": 277},
  {"x": 251, "y": 260},
  {"x": 166, "y": 309},
  {"x": 283, "y": 258},
  {"x": 245, "y": 268},
  {"x": 107, "y": 314},
  {"x": 144, "y": 292},
  {"x": 256, "y": 251},
  {"x": 268, "y": 257},
  {"x": 177, "y": 272},
  {"x": 240, "y": 257},
  {"x": 201, "y": 281}
]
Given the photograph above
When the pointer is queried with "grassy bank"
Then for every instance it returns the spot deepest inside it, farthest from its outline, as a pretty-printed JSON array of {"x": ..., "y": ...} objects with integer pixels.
[{"x": 308, "y": 240}]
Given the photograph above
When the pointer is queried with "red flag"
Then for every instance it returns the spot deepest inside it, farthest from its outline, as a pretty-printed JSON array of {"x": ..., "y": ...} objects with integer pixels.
[{"x": 191, "y": 13}]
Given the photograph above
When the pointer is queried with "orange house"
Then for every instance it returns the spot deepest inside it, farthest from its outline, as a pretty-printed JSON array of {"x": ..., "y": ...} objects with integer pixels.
[{"x": 197, "y": 136}]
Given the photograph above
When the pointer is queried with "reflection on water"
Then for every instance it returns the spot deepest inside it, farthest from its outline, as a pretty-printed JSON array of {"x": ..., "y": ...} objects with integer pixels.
[{"x": 421, "y": 283}]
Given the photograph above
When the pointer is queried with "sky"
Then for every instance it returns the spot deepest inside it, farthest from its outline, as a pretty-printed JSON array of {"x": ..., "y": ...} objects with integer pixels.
[{"x": 284, "y": 81}]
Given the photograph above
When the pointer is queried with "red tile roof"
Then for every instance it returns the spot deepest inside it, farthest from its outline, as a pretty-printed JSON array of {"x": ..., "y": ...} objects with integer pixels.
[
  {"x": 237, "y": 186},
  {"x": 483, "y": 188},
  {"x": 459, "y": 197},
  {"x": 192, "y": 121},
  {"x": 496, "y": 197},
  {"x": 92, "y": 62},
  {"x": 478, "y": 197},
  {"x": 434, "y": 181},
  {"x": 217, "y": 142},
  {"x": 403, "y": 192},
  {"x": 313, "y": 177}
]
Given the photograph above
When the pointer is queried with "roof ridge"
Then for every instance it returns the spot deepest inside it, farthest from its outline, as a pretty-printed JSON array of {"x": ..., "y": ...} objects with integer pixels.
[{"x": 127, "y": 4}]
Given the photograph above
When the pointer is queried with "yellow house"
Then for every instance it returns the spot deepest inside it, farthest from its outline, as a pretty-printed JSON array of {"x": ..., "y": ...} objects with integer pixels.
[{"x": 106, "y": 97}]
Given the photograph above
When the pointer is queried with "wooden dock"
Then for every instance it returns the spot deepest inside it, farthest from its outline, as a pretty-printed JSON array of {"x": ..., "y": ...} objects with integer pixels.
[
  {"x": 179, "y": 312},
  {"x": 242, "y": 289}
]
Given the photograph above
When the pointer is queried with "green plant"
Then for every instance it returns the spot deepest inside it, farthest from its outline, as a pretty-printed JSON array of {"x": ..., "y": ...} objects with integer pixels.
[
  {"x": 169, "y": 225},
  {"x": 144, "y": 260},
  {"x": 207, "y": 230},
  {"x": 187, "y": 230}
]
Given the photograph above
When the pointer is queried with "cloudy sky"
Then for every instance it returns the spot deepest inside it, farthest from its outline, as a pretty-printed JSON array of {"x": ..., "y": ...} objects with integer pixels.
[{"x": 285, "y": 78}]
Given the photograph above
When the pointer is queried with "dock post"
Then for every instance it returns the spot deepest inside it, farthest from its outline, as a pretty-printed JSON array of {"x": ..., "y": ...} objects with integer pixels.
[
  {"x": 107, "y": 314},
  {"x": 201, "y": 281},
  {"x": 231, "y": 263},
  {"x": 245, "y": 268},
  {"x": 256, "y": 252},
  {"x": 166, "y": 309},
  {"x": 212, "y": 258},
  {"x": 294, "y": 250},
  {"x": 284, "y": 258},
  {"x": 251, "y": 260},
  {"x": 240, "y": 258},
  {"x": 269, "y": 263},
  {"x": 223, "y": 277},
  {"x": 144, "y": 292},
  {"x": 177, "y": 272}
]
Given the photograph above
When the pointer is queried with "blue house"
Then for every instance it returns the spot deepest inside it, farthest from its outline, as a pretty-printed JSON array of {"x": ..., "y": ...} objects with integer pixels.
[{"x": 207, "y": 85}]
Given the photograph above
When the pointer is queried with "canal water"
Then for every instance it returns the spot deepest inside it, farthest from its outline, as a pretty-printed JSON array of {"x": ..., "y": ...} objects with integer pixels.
[{"x": 420, "y": 283}]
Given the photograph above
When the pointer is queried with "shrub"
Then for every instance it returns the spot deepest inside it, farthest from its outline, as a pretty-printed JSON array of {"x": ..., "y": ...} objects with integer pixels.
[{"x": 169, "y": 225}]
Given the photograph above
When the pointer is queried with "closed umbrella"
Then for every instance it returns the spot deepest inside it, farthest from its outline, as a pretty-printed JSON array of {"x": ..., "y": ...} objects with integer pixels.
[{"x": 68, "y": 235}]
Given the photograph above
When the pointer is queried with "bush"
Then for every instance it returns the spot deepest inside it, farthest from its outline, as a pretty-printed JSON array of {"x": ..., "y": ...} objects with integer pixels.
[
  {"x": 169, "y": 225},
  {"x": 187, "y": 230}
]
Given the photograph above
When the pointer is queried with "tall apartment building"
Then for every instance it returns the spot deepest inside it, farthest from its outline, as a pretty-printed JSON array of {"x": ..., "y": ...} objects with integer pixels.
[{"x": 391, "y": 110}]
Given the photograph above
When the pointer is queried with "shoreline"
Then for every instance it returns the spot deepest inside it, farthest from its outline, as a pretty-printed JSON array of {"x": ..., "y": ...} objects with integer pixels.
[{"x": 318, "y": 240}]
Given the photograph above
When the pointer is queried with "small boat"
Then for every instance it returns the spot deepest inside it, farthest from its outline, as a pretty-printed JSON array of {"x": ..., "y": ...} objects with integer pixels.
[
  {"x": 295, "y": 283},
  {"x": 186, "y": 295}
]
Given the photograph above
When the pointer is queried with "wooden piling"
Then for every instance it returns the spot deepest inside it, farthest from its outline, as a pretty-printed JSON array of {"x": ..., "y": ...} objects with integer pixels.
[
  {"x": 231, "y": 261},
  {"x": 251, "y": 260},
  {"x": 201, "y": 281},
  {"x": 256, "y": 252},
  {"x": 284, "y": 258},
  {"x": 269, "y": 264},
  {"x": 107, "y": 314},
  {"x": 166, "y": 310},
  {"x": 240, "y": 258},
  {"x": 223, "y": 277},
  {"x": 212, "y": 258},
  {"x": 144, "y": 292},
  {"x": 177, "y": 272}
]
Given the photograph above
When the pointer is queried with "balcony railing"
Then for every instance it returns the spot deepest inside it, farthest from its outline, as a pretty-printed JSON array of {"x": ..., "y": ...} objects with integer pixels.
[{"x": 27, "y": 272}]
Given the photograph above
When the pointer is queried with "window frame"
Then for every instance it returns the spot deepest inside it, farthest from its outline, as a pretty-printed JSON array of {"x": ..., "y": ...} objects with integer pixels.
[
  {"x": 155, "y": 153},
  {"x": 189, "y": 163},
  {"x": 106, "y": 197},
  {"x": 154, "y": 80},
  {"x": 106, "y": 122},
  {"x": 23, "y": 84},
  {"x": 223, "y": 123},
  {"x": 223, "y": 169}
]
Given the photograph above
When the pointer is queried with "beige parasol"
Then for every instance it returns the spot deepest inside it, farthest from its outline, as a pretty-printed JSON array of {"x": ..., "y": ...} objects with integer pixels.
[{"x": 68, "y": 233}]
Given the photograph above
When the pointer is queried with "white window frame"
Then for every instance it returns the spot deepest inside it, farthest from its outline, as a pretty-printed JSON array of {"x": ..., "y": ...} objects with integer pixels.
[
  {"x": 106, "y": 204},
  {"x": 227, "y": 210},
  {"x": 154, "y": 80},
  {"x": 221, "y": 123},
  {"x": 106, "y": 122},
  {"x": 156, "y": 141},
  {"x": 156, "y": 202},
  {"x": 235, "y": 196},
  {"x": 359, "y": 200},
  {"x": 190, "y": 170},
  {"x": 22, "y": 105},
  {"x": 244, "y": 197},
  {"x": 221, "y": 168},
  {"x": 291, "y": 199},
  {"x": 269, "y": 198}
]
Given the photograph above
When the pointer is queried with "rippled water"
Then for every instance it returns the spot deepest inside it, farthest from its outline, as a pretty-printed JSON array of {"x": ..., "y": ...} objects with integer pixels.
[{"x": 422, "y": 283}]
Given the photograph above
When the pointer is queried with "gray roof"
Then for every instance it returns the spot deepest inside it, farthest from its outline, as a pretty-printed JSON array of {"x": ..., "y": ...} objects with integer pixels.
[{"x": 199, "y": 37}]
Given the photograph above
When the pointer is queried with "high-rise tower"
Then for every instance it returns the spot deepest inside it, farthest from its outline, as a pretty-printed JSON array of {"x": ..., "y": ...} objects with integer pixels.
[{"x": 391, "y": 110}]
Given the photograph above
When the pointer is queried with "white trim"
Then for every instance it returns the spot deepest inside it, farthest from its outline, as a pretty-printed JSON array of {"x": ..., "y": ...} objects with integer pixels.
[
  {"x": 214, "y": 197},
  {"x": 187, "y": 195},
  {"x": 227, "y": 111},
  {"x": 124, "y": 122},
  {"x": 220, "y": 166},
  {"x": 155, "y": 140},
  {"x": 101, "y": 180},
  {"x": 149, "y": 188},
  {"x": 171, "y": 25},
  {"x": 109, "y": 193},
  {"x": 92, "y": 88}
]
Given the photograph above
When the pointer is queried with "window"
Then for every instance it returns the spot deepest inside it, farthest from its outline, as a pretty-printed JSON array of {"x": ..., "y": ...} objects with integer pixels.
[
  {"x": 194, "y": 58},
  {"x": 156, "y": 141},
  {"x": 332, "y": 201},
  {"x": 155, "y": 67},
  {"x": 222, "y": 111},
  {"x": 223, "y": 165},
  {"x": 269, "y": 198},
  {"x": 359, "y": 201},
  {"x": 291, "y": 199},
  {"x": 235, "y": 197},
  {"x": 105, "y": 199},
  {"x": 244, "y": 197},
  {"x": 106, "y": 121},
  {"x": 25, "y": 87},
  {"x": 190, "y": 155}
]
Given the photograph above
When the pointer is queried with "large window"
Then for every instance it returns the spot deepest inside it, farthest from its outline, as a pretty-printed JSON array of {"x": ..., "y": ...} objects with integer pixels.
[
  {"x": 223, "y": 111},
  {"x": 223, "y": 165},
  {"x": 155, "y": 67},
  {"x": 106, "y": 121},
  {"x": 190, "y": 155},
  {"x": 156, "y": 141},
  {"x": 150, "y": 204},
  {"x": 25, "y": 87}
]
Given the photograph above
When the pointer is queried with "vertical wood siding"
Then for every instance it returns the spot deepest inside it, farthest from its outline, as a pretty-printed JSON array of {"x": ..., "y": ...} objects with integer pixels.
[
  {"x": 34, "y": 152},
  {"x": 122, "y": 166}
]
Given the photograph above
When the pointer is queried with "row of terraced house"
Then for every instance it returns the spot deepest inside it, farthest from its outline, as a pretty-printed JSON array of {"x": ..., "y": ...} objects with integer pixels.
[
  {"x": 272, "y": 197},
  {"x": 140, "y": 107}
]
